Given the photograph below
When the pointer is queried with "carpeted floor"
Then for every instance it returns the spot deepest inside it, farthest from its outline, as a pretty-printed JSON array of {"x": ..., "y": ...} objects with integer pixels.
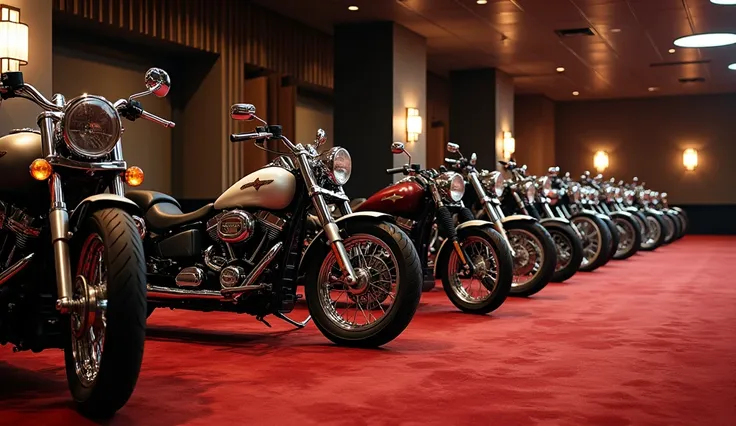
[{"x": 647, "y": 341}]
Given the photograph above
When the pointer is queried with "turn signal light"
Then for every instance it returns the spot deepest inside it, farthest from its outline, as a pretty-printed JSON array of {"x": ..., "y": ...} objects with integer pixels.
[
  {"x": 40, "y": 169},
  {"x": 134, "y": 176}
]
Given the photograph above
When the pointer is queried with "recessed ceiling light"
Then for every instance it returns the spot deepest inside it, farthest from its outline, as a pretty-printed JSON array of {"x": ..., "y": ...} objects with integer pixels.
[
  {"x": 615, "y": 30},
  {"x": 353, "y": 8},
  {"x": 706, "y": 40},
  {"x": 653, "y": 89},
  {"x": 560, "y": 69},
  {"x": 575, "y": 93},
  {"x": 726, "y": 2},
  {"x": 671, "y": 50},
  {"x": 732, "y": 67},
  {"x": 482, "y": 1}
]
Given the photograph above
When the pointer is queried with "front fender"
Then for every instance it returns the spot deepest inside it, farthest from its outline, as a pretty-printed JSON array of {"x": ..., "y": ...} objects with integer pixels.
[
  {"x": 312, "y": 247},
  {"x": 622, "y": 214},
  {"x": 517, "y": 217},
  {"x": 554, "y": 220},
  {"x": 101, "y": 201},
  {"x": 460, "y": 227}
]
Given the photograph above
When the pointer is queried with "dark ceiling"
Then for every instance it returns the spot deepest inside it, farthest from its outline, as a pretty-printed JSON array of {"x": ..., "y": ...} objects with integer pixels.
[{"x": 626, "y": 56}]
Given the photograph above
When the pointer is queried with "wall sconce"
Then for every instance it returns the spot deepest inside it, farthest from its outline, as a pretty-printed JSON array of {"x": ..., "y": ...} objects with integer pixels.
[
  {"x": 509, "y": 145},
  {"x": 600, "y": 161},
  {"x": 13, "y": 39},
  {"x": 413, "y": 124},
  {"x": 690, "y": 158}
]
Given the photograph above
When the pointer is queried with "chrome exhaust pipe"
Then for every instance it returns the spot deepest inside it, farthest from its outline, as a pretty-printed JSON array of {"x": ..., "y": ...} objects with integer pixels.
[
  {"x": 166, "y": 293},
  {"x": 18, "y": 266}
]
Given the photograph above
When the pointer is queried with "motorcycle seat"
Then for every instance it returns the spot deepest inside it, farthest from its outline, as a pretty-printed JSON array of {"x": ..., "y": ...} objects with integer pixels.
[{"x": 163, "y": 212}]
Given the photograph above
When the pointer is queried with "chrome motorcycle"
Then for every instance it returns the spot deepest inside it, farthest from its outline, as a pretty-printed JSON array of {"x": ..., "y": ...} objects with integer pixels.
[
  {"x": 635, "y": 198},
  {"x": 85, "y": 291},
  {"x": 245, "y": 252}
]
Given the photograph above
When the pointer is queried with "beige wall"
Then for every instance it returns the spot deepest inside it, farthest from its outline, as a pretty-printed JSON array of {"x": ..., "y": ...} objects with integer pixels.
[
  {"x": 504, "y": 109},
  {"x": 534, "y": 119},
  {"x": 18, "y": 113},
  {"x": 145, "y": 144},
  {"x": 311, "y": 114},
  {"x": 646, "y": 137}
]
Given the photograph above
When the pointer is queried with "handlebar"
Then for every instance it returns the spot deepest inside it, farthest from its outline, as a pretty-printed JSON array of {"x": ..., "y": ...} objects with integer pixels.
[
  {"x": 451, "y": 161},
  {"x": 156, "y": 119},
  {"x": 241, "y": 137},
  {"x": 395, "y": 170}
]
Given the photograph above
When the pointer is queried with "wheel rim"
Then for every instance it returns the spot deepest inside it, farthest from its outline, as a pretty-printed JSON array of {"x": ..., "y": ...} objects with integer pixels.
[
  {"x": 592, "y": 240},
  {"x": 655, "y": 230},
  {"x": 89, "y": 311},
  {"x": 563, "y": 245},
  {"x": 479, "y": 286},
  {"x": 528, "y": 258},
  {"x": 627, "y": 232},
  {"x": 376, "y": 267}
]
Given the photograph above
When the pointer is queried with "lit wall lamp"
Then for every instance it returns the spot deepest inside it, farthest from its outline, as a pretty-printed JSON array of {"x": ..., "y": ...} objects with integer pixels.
[
  {"x": 600, "y": 161},
  {"x": 509, "y": 145},
  {"x": 413, "y": 124},
  {"x": 690, "y": 158},
  {"x": 13, "y": 39}
]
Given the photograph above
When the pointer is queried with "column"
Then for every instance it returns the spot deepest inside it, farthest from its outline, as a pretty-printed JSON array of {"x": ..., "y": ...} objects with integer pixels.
[{"x": 380, "y": 71}]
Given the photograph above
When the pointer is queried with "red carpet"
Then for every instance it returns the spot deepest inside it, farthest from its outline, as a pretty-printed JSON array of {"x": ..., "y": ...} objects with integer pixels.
[{"x": 647, "y": 341}]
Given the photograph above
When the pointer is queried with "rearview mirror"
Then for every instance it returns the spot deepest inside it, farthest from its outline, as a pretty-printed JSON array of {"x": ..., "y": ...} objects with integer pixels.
[
  {"x": 243, "y": 112},
  {"x": 453, "y": 147},
  {"x": 397, "y": 147},
  {"x": 321, "y": 137},
  {"x": 158, "y": 82}
]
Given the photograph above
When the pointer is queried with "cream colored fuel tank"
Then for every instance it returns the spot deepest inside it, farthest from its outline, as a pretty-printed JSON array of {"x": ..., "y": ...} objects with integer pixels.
[{"x": 270, "y": 188}]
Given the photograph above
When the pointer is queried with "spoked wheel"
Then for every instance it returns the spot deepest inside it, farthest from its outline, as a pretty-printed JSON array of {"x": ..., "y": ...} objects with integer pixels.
[
  {"x": 655, "y": 232},
  {"x": 630, "y": 237},
  {"x": 381, "y": 304},
  {"x": 534, "y": 257},
  {"x": 569, "y": 251},
  {"x": 486, "y": 288},
  {"x": 108, "y": 315},
  {"x": 596, "y": 241}
]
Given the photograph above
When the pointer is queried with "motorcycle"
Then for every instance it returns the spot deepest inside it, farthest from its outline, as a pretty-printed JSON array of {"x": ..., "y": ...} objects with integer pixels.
[
  {"x": 677, "y": 213},
  {"x": 528, "y": 195},
  {"x": 244, "y": 253},
  {"x": 571, "y": 203},
  {"x": 656, "y": 225},
  {"x": 532, "y": 247},
  {"x": 619, "y": 199},
  {"x": 674, "y": 227},
  {"x": 96, "y": 310},
  {"x": 473, "y": 261}
]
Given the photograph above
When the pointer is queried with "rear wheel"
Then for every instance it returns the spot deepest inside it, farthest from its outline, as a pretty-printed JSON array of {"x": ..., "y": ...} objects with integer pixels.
[
  {"x": 380, "y": 306},
  {"x": 107, "y": 324},
  {"x": 534, "y": 257},
  {"x": 596, "y": 241},
  {"x": 569, "y": 250}
]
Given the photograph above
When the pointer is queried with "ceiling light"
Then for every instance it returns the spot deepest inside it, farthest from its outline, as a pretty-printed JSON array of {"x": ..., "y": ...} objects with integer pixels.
[
  {"x": 560, "y": 69},
  {"x": 671, "y": 50},
  {"x": 482, "y": 1},
  {"x": 724, "y": 2},
  {"x": 732, "y": 67},
  {"x": 615, "y": 30},
  {"x": 653, "y": 89},
  {"x": 352, "y": 8},
  {"x": 575, "y": 93},
  {"x": 706, "y": 40}
]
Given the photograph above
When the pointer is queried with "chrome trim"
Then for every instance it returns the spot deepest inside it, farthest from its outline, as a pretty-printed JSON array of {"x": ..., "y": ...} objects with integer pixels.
[
  {"x": 255, "y": 273},
  {"x": 14, "y": 269},
  {"x": 113, "y": 115},
  {"x": 271, "y": 220},
  {"x": 190, "y": 277},
  {"x": 245, "y": 230},
  {"x": 209, "y": 260},
  {"x": 166, "y": 293},
  {"x": 85, "y": 165},
  {"x": 141, "y": 225}
]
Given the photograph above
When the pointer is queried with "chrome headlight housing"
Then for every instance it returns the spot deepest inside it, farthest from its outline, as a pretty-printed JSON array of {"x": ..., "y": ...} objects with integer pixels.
[
  {"x": 531, "y": 191},
  {"x": 91, "y": 126},
  {"x": 493, "y": 181},
  {"x": 575, "y": 193},
  {"x": 451, "y": 186},
  {"x": 338, "y": 165},
  {"x": 545, "y": 185},
  {"x": 629, "y": 197},
  {"x": 618, "y": 195}
]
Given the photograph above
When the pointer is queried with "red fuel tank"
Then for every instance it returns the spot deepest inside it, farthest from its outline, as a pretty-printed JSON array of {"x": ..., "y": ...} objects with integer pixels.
[{"x": 404, "y": 199}]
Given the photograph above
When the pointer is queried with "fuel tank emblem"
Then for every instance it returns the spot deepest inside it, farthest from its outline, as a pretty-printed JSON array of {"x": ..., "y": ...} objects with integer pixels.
[
  {"x": 2, "y": 153},
  {"x": 392, "y": 197},
  {"x": 257, "y": 184}
]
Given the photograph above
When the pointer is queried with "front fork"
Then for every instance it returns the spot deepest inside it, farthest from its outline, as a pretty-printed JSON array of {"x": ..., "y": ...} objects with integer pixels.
[{"x": 494, "y": 215}]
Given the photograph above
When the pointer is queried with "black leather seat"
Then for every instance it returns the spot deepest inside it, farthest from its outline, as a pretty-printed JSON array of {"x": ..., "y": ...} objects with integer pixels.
[{"x": 163, "y": 212}]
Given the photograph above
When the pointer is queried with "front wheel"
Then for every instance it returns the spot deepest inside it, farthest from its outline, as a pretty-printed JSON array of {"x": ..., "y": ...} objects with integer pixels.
[
  {"x": 534, "y": 257},
  {"x": 376, "y": 309},
  {"x": 569, "y": 250},
  {"x": 596, "y": 240},
  {"x": 615, "y": 237},
  {"x": 108, "y": 321},
  {"x": 487, "y": 287},
  {"x": 655, "y": 231},
  {"x": 630, "y": 232}
]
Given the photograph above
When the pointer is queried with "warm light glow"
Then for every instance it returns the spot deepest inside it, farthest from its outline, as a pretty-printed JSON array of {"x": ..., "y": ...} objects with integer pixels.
[
  {"x": 560, "y": 69},
  {"x": 352, "y": 8},
  {"x": 413, "y": 124},
  {"x": 40, "y": 169},
  {"x": 481, "y": 1},
  {"x": 724, "y": 2},
  {"x": 706, "y": 40},
  {"x": 509, "y": 145},
  {"x": 653, "y": 89},
  {"x": 134, "y": 176},
  {"x": 671, "y": 50},
  {"x": 600, "y": 161},
  {"x": 732, "y": 67},
  {"x": 690, "y": 158},
  {"x": 575, "y": 93},
  {"x": 615, "y": 30},
  {"x": 13, "y": 40}
]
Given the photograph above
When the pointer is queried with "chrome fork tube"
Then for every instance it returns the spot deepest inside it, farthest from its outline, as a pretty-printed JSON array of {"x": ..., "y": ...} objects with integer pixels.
[
  {"x": 117, "y": 186},
  {"x": 487, "y": 203},
  {"x": 332, "y": 231}
]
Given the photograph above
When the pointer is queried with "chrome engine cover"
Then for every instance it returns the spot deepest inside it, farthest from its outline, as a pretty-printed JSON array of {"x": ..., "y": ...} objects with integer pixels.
[
  {"x": 235, "y": 226},
  {"x": 231, "y": 276}
]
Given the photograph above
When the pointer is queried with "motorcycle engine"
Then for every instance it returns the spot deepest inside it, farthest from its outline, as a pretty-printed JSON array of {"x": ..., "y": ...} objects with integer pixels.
[
  {"x": 17, "y": 232},
  {"x": 240, "y": 239}
]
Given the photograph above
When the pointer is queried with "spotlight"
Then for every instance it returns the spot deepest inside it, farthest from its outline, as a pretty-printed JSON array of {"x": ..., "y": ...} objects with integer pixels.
[
  {"x": 353, "y": 8},
  {"x": 575, "y": 93},
  {"x": 706, "y": 40},
  {"x": 560, "y": 69}
]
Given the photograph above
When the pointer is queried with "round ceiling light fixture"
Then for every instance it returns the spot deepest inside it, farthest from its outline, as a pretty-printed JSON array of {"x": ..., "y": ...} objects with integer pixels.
[
  {"x": 575, "y": 93},
  {"x": 724, "y": 2},
  {"x": 353, "y": 8},
  {"x": 671, "y": 50},
  {"x": 560, "y": 69},
  {"x": 653, "y": 89},
  {"x": 482, "y": 1},
  {"x": 706, "y": 40},
  {"x": 732, "y": 66}
]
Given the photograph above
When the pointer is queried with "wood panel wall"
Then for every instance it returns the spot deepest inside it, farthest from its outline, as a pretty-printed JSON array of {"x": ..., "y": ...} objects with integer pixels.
[{"x": 238, "y": 31}]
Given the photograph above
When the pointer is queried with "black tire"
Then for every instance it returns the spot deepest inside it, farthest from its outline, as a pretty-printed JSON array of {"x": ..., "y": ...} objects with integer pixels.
[
  {"x": 505, "y": 265},
  {"x": 566, "y": 235},
  {"x": 149, "y": 311},
  {"x": 653, "y": 219},
  {"x": 603, "y": 237},
  {"x": 641, "y": 220},
  {"x": 408, "y": 292},
  {"x": 630, "y": 225},
  {"x": 670, "y": 226},
  {"x": 428, "y": 284},
  {"x": 684, "y": 218},
  {"x": 677, "y": 223},
  {"x": 615, "y": 237},
  {"x": 126, "y": 315},
  {"x": 547, "y": 269}
]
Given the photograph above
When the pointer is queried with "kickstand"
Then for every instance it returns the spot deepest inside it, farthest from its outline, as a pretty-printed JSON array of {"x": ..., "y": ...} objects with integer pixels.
[{"x": 292, "y": 322}]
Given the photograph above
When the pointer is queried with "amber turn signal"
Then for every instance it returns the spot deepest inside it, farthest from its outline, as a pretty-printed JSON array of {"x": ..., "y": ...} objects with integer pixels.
[
  {"x": 40, "y": 169},
  {"x": 134, "y": 176}
]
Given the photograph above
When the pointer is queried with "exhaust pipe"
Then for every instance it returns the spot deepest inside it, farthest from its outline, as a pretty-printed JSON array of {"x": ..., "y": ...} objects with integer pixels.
[
  {"x": 167, "y": 293},
  {"x": 18, "y": 266}
]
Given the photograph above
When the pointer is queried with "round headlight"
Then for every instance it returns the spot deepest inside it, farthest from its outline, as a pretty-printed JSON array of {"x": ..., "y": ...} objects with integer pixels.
[
  {"x": 493, "y": 181},
  {"x": 338, "y": 164},
  {"x": 91, "y": 126},
  {"x": 451, "y": 185},
  {"x": 575, "y": 193},
  {"x": 545, "y": 185},
  {"x": 531, "y": 191},
  {"x": 618, "y": 195}
]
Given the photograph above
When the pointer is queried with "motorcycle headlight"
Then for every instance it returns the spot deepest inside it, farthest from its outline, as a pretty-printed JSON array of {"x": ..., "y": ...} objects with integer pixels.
[
  {"x": 545, "y": 185},
  {"x": 618, "y": 195},
  {"x": 576, "y": 193},
  {"x": 338, "y": 164},
  {"x": 451, "y": 185},
  {"x": 91, "y": 126},
  {"x": 493, "y": 181},
  {"x": 531, "y": 191},
  {"x": 629, "y": 197}
]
